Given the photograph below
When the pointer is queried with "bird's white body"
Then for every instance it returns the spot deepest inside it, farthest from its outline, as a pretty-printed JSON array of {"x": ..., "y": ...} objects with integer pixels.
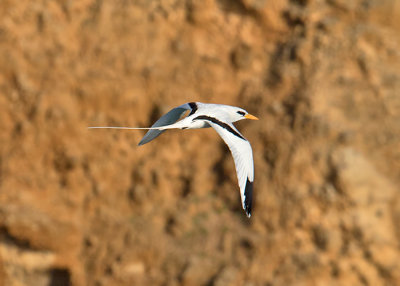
[
  {"x": 220, "y": 117},
  {"x": 224, "y": 113}
]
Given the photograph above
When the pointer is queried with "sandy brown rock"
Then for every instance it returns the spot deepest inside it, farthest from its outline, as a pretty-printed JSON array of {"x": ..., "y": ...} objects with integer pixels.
[{"x": 90, "y": 207}]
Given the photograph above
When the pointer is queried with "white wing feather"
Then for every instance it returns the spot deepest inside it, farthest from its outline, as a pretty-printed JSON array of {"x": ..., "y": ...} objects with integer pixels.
[{"x": 243, "y": 157}]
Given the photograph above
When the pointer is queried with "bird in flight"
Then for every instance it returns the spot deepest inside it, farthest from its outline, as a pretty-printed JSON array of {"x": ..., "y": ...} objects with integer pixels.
[{"x": 221, "y": 118}]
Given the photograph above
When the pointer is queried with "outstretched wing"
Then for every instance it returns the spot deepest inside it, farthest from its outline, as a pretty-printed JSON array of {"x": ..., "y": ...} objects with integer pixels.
[
  {"x": 242, "y": 156},
  {"x": 169, "y": 118}
]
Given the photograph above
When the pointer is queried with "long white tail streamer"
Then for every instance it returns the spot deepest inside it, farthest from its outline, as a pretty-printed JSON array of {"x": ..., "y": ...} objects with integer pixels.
[{"x": 129, "y": 128}]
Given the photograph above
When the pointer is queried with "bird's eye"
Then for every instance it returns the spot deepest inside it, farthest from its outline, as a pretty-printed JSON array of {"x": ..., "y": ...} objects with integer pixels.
[{"x": 241, "y": 113}]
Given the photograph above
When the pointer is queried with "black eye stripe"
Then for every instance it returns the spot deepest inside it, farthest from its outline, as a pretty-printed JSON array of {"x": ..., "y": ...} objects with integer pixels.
[{"x": 241, "y": 113}]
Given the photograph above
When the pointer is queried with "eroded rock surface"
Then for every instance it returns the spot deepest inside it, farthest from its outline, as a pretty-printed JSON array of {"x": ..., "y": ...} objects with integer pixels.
[{"x": 90, "y": 207}]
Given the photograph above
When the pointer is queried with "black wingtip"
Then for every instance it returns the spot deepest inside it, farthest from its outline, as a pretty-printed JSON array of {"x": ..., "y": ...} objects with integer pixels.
[{"x": 248, "y": 197}]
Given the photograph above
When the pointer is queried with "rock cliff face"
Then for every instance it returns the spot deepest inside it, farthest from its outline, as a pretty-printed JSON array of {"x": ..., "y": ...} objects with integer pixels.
[{"x": 90, "y": 207}]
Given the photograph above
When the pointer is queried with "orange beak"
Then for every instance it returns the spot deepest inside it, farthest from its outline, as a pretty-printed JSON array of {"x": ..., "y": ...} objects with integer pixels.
[{"x": 249, "y": 116}]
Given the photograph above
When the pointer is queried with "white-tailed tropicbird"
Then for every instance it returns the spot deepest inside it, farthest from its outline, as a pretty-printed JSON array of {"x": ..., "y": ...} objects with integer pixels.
[{"x": 220, "y": 117}]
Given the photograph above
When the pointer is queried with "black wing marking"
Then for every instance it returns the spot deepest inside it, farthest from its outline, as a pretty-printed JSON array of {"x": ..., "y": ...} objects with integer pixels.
[
  {"x": 220, "y": 123},
  {"x": 193, "y": 107}
]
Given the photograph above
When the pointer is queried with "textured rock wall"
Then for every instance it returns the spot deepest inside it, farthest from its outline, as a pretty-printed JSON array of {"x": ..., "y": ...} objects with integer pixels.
[{"x": 90, "y": 207}]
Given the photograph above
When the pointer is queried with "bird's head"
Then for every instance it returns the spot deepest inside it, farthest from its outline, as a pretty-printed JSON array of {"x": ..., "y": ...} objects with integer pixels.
[{"x": 239, "y": 114}]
